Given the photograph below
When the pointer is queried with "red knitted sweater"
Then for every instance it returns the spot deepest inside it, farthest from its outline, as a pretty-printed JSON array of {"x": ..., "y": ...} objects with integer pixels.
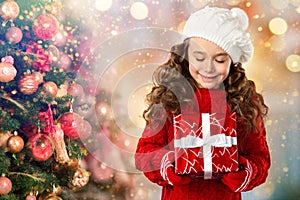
[{"x": 155, "y": 143}]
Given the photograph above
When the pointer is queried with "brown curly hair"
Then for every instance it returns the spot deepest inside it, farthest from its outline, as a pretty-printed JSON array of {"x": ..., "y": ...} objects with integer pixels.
[{"x": 173, "y": 84}]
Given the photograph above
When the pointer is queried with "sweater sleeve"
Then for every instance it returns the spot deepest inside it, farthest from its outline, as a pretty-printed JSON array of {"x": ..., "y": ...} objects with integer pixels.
[
  {"x": 256, "y": 151},
  {"x": 151, "y": 147}
]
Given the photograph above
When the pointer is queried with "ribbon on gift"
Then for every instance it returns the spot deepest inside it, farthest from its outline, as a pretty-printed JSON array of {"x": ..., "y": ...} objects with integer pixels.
[{"x": 207, "y": 141}]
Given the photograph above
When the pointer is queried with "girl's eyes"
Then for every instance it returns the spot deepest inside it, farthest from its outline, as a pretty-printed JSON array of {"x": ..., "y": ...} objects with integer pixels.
[{"x": 217, "y": 60}]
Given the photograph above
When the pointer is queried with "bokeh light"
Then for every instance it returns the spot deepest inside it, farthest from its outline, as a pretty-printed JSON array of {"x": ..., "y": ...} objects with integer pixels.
[
  {"x": 139, "y": 10},
  {"x": 103, "y": 5},
  {"x": 278, "y": 26},
  {"x": 279, "y": 4},
  {"x": 233, "y": 2},
  {"x": 293, "y": 63}
]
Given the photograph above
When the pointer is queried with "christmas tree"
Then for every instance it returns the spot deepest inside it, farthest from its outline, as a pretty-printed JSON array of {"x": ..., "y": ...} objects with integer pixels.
[{"x": 40, "y": 134}]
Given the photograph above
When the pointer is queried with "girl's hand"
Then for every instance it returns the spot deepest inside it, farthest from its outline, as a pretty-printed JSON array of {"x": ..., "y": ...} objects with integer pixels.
[
  {"x": 167, "y": 171},
  {"x": 238, "y": 181}
]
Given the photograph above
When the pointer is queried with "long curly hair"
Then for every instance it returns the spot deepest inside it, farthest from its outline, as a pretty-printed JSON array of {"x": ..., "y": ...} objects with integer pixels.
[{"x": 173, "y": 84}]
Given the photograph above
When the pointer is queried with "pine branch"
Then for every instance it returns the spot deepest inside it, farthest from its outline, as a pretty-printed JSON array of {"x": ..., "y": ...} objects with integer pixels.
[{"x": 28, "y": 175}]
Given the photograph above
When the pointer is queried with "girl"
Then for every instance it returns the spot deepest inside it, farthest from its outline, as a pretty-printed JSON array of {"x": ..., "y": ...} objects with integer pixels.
[{"x": 201, "y": 73}]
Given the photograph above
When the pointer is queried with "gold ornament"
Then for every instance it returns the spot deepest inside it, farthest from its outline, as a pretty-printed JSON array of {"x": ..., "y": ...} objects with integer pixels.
[
  {"x": 9, "y": 10},
  {"x": 15, "y": 144}
]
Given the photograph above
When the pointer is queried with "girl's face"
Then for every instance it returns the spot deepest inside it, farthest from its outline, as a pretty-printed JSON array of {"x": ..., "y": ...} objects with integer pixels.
[{"x": 209, "y": 64}]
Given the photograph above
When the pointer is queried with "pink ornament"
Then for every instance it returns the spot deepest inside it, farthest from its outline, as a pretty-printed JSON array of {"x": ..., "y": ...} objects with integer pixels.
[
  {"x": 14, "y": 35},
  {"x": 60, "y": 38},
  {"x": 8, "y": 59},
  {"x": 85, "y": 130},
  {"x": 9, "y": 10},
  {"x": 7, "y": 72},
  {"x": 5, "y": 185},
  {"x": 64, "y": 61},
  {"x": 28, "y": 84},
  {"x": 75, "y": 89},
  {"x": 41, "y": 147},
  {"x": 30, "y": 197},
  {"x": 45, "y": 26}
]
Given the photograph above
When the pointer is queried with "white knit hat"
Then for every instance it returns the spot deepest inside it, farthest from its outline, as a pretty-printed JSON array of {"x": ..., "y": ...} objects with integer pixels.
[{"x": 225, "y": 28}]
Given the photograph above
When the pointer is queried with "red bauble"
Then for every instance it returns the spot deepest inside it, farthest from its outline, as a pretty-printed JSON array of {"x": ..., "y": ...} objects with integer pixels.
[
  {"x": 15, "y": 144},
  {"x": 50, "y": 88},
  {"x": 28, "y": 84},
  {"x": 41, "y": 147},
  {"x": 9, "y": 10},
  {"x": 71, "y": 123},
  {"x": 7, "y": 72},
  {"x": 14, "y": 35},
  {"x": 45, "y": 26},
  {"x": 5, "y": 185}
]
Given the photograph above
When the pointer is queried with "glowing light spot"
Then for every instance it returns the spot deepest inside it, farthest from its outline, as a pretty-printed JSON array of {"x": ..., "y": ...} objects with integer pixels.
[
  {"x": 278, "y": 26},
  {"x": 260, "y": 29},
  {"x": 233, "y": 2},
  {"x": 139, "y": 10},
  {"x": 293, "y": 63},
  {"x": 103, "y": 5},
  {"x": 285, "y": 169},
  {"x": 248, "y": 4}
]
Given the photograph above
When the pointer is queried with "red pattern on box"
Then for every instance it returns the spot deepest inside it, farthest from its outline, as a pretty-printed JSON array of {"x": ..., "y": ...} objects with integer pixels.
[{"x": 190, "y": 146}]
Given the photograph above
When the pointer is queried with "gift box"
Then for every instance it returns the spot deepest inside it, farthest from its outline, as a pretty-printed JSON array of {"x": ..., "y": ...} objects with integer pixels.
[{"x": 205, "y": 143}]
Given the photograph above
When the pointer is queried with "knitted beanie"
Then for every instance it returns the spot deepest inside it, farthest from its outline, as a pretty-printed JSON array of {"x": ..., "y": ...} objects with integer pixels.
[{"x": 223, "y": 27}]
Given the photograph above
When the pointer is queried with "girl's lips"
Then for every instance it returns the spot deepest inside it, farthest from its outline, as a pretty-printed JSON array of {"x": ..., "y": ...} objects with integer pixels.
[{"x": 207, "y": 78}]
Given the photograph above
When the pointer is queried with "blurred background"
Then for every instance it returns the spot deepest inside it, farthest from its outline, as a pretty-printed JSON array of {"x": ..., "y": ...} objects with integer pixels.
[{"x": 121, "y": 43}]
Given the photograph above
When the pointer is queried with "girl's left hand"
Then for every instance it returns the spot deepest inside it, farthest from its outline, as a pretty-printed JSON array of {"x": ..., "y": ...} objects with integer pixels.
[{"x": 239, "y": 181}]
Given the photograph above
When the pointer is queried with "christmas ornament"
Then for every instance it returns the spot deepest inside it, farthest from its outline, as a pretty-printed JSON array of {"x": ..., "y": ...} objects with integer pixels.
[
  {"x": 9, "y": 10},
  {"x": 30, "y": 197},
  {"x": 5, "y": 185},
  {"x": 45, "y": 26},
  {"x": 71, "y": 124},
  {"x": 49, "y": 196},
  {"x": 41, "y": 147},
  {"x": 103, "y": 111},
  {"x": 57, "y": 139},
  {"x": 28, "y": 84},
  {"x": 15, "y": 144},
  {"x": 38, "y": 77},
  {"x": 80, "y": 179},
  {"x": 85, "y": 130},
  {"x": 50, "y": 88},
  {"x": 14, "y": 35},
  {"x": 7, "y": 71},
  {"x": 4, "y": 136},
  {"x": 60, "y": 38},
  {"x": 75, "y": 89},
  {"x": 54, "y": 53},
  {"x": 64, "y": 61},
  {"x": 62, "y": 91}
]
